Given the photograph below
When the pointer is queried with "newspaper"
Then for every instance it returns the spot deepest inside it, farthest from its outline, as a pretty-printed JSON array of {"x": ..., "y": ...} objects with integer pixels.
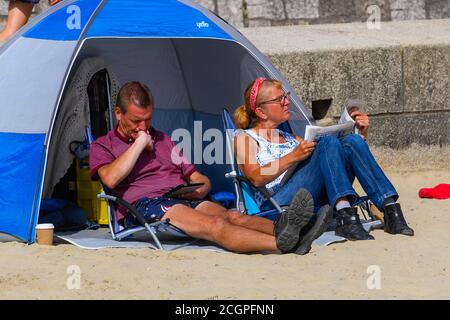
[{"x": 345, "y": 125}]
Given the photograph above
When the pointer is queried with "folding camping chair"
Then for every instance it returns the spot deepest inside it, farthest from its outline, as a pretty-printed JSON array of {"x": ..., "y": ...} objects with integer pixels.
[
  {"x": 118, "y": 232},
  {"x": 102, "y": 83},
  {"x": 245, "y": 200},
  {"x": 155, "y": 229}
]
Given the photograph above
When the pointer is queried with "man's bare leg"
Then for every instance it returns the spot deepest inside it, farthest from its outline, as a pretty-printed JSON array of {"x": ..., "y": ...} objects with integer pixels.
[
  {"x": 237, "y": 218},
  {"x": 217, "y": 229},
  {"x": 18, "y": 15}
]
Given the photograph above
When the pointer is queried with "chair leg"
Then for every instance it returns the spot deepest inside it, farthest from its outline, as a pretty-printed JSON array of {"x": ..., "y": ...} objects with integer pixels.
[
  {"x": 155, "y": 238},
  {"x": 150, "y": 227}
]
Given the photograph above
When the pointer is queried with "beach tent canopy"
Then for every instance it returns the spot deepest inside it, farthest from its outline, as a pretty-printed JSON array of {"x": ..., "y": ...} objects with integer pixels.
[{"x": 193, "y": 61}]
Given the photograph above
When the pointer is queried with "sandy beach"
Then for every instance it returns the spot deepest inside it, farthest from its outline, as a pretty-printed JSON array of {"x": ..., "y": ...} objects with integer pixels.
[{"x": 409, "y": 268}]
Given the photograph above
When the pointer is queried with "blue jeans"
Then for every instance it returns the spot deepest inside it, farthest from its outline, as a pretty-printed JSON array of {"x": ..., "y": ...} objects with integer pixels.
[{"x": 330, "y": 171}]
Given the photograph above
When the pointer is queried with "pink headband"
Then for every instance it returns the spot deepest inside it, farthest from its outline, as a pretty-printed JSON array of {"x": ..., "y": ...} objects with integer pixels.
[{"x": 254, "y": 92}]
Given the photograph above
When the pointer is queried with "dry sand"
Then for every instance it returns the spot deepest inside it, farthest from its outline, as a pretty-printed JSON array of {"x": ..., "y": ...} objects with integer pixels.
[{"x": 411, "y": 268}]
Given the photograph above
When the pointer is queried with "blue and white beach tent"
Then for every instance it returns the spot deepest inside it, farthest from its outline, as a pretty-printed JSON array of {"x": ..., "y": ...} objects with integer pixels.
[{"x": 193, "y": 61}]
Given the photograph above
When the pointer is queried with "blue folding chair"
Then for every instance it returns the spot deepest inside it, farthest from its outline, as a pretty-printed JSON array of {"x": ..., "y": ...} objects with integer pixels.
[
  {"x": 157, "y": 230},
  {"x": 245, "y": 190}
]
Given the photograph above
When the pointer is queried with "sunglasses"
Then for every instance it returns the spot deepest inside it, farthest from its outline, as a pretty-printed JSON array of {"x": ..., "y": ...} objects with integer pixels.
[{"x": 281, "y": 100}]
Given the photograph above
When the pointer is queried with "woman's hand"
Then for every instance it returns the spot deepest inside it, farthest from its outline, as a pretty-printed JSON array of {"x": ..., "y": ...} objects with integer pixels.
[
  {"x": 303, "y": 150},
  {"x": 361, "y": 122}
]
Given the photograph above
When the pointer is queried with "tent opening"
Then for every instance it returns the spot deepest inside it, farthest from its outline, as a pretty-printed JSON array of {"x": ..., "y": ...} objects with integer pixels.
[
  {"x": 192, "y": 81},
  {"x": 84, "y": 112}
]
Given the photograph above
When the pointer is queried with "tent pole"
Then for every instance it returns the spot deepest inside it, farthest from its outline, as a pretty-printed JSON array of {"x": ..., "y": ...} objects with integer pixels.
[{"x": 108, "y": 91}]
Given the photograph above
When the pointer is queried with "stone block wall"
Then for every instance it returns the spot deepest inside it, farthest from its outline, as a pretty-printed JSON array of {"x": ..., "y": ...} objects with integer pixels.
[
  {"x": 401, "y": 71},
  {"x": 406, "y": 89},
  {"x": 372, "y": 75},
  {"x": 257, "y": 13}
]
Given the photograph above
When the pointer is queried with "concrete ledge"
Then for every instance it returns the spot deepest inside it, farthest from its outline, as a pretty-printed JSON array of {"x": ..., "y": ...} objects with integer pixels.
[
  {"x": 326, "y": 37},
  {"x": 373, "y": 75}
]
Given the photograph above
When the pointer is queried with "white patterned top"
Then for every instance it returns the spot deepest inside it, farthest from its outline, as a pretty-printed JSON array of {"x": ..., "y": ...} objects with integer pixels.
[{"x": 269, "y": 152}]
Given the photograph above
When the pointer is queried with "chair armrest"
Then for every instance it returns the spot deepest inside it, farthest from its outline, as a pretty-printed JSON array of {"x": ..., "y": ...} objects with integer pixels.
[
  {"x": 263, "y": 190},
  {"x": 132, "y": 210}
]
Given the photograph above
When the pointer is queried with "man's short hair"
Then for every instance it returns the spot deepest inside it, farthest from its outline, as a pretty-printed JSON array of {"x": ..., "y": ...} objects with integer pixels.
[{"x": 134, "y": 93}]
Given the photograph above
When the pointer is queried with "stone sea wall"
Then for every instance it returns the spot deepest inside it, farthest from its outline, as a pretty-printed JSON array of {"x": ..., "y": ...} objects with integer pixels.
[{"x": 257, "y": 13}]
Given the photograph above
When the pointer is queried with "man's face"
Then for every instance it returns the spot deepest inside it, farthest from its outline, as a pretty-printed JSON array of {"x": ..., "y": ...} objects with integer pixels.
[{"x": 134, "y": 120}]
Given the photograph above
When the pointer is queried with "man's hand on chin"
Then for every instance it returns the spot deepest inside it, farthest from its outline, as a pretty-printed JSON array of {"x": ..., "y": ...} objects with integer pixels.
[{"x": 144, "y": 138}]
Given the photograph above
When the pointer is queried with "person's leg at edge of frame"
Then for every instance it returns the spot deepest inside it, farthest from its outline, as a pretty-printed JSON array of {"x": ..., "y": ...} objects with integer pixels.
[
  {"x": 18, "y": 14},
  {"x": 375, "y": 183},
  {"x": 217, "y": 229}
]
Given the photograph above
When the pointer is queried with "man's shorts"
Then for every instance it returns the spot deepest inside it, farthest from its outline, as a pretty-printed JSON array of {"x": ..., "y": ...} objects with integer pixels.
[
  {"x": 29, "y": 1},
  {"x": 154, "y": 209}
]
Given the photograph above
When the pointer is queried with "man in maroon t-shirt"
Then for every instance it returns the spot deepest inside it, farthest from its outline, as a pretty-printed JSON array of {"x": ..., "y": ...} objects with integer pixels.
[{"x": 135, "y": 161}]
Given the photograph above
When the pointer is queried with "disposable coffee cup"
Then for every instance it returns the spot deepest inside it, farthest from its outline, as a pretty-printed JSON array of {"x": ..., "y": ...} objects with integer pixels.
[{"x": 44, "y": 233}]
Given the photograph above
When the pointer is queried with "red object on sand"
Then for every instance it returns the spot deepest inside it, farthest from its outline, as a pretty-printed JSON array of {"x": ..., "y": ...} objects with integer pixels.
[{"x": 441, "y": 191}]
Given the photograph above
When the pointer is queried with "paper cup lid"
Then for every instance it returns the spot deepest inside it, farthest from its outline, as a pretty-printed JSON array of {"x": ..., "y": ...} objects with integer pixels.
[{"x": 45, "y": 226}]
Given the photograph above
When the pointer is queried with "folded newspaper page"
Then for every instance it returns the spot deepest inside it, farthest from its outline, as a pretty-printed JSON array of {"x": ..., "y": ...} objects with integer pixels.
[
  {"x": 346, "y": 124},
  {"x": 313, "y": 133},
  {"x": 350, "y": 107}
]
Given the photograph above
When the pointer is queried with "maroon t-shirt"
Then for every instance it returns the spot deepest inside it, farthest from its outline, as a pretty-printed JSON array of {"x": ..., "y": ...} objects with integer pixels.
[{"x": 153, "y": 174}]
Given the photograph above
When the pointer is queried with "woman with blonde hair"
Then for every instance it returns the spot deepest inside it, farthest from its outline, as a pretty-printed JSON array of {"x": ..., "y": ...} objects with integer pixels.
[{"x": 325, "y": 168}]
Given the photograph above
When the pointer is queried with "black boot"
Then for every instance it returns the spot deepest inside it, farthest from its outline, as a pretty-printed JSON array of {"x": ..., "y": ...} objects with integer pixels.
[
  {"x": 349, "y": 226},
  {"x": 394, "y": 221},
  {"x": 314, "y": 229},
  {"x": 290, "y": 223}
]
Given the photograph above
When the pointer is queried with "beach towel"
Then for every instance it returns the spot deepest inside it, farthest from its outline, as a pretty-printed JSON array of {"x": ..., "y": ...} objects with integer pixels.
[
  {"x": 441, "y": 192},
  {"x": 101, "y": 238}
]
